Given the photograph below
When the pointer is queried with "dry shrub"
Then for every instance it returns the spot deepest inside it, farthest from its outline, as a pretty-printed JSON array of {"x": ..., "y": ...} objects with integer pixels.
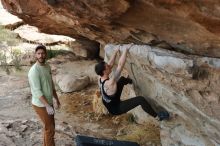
[
  {"x": 97, "y": 105},
  {"x": 149, "y": 132}
]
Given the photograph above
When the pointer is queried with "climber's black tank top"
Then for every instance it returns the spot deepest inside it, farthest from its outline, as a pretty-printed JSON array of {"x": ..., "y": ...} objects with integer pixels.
[{"x": 110, "y": 101}]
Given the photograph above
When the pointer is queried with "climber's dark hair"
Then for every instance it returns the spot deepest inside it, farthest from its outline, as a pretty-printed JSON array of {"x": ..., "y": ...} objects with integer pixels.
[
  {"x": 99, "y": 68},
  {"x": 41, "y": 47}
]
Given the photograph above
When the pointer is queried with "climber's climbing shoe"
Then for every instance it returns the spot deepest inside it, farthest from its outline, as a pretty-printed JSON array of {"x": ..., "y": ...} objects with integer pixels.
[{"x": 163, "y": 115}]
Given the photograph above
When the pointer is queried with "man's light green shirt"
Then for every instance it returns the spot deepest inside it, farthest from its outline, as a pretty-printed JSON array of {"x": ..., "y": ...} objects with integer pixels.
[{"x": 40, "y": 81}]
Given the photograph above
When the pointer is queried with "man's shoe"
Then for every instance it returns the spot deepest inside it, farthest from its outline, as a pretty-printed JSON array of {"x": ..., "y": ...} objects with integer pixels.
[{"x": 163, "y": 115}]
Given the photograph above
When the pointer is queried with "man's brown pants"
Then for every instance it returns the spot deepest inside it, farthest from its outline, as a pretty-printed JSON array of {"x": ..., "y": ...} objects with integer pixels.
[{"x": 49, "y": 125}]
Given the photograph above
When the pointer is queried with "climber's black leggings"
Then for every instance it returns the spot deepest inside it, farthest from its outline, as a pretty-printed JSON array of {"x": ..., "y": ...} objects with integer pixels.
[{"x": 127, "y": 105}]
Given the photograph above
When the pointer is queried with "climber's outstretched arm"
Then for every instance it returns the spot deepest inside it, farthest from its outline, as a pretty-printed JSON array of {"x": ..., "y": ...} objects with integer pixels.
[
  {"x": 111, "y": 62},
  {"x": 121, "y": 63}
]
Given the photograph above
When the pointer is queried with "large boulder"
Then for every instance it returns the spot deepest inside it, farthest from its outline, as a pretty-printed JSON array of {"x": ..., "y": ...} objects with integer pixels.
[
  {"x": 70, "y": 83},
  {"x": 79, "y": 68},
  {"x": 32, "y": 35},
  {"x": 187, "y": 86}
]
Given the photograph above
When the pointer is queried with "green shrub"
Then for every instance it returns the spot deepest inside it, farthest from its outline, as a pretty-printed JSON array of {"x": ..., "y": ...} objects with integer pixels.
[
  {"x": 53, "y": 53},
  {"x": 3, "y": 61},
  {"x": 7, "y": 37},
  {"x": 16, "y": 57},
  {"x": 7, "y": 40}
]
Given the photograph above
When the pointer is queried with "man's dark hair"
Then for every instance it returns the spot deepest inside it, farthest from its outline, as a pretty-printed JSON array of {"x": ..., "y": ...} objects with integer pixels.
[
  {"x": 99, "y": 68},
  {"x": 41, "y": 47}
]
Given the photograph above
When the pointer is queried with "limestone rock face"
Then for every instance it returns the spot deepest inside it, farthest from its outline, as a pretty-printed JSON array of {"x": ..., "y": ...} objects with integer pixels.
[
  {"x": 187, "y": 86},
  {"x": 186, "y": 26},
  {"x": 31, "y": 34}
]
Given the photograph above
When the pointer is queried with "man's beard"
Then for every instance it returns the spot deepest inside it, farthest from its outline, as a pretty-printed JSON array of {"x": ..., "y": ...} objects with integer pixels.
[{"x": 41, "y": 60}]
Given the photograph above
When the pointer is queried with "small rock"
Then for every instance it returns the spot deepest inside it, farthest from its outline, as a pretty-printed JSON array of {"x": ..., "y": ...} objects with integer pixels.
[
  {"x": 23, "y": 127},
  {"x": 24, "y": 121}
]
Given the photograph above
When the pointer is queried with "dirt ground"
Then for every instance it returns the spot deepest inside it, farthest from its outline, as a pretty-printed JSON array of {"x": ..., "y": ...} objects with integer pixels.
[
  {"x": 19, "y": 125},
  {"x": 79, "y": 104}
]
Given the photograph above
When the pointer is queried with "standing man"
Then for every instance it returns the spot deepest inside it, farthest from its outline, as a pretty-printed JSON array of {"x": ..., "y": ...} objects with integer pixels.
[
  {"x": 111, "y": 88},
  {"x": 43, "y": 92}
]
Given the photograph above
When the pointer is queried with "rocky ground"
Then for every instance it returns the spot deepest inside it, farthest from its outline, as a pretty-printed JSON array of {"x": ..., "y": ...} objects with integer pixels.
[{"x": 19, "y": 125}]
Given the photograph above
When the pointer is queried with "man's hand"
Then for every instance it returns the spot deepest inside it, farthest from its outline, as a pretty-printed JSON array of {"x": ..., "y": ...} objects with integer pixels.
[
  {"x": 129, "y": 46},
  {"x": 111, "y": 61},
  {"x": 126, "y": 47},
  {"x": 50, "y": 110},
  {"x": 117, "y": 48}
]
